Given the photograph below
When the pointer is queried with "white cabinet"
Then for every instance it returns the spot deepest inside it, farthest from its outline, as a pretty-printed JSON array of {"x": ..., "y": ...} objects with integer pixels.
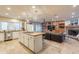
[
  {"x": 33, "y": 42},
  {"x": 38, "y": 43},
  {"x": 15, "y": 35},
  {"x": 8, "y": 36},
  {"x": 2, "y": 37},
  {"x": 25, "y": 40},
  {"x": 21, "y": 37}
]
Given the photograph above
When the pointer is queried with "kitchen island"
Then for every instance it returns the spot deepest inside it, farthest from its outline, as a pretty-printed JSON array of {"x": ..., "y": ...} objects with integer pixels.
[
  {"x": 57, "y": 37},
  {"x": 32, "y": 40}
]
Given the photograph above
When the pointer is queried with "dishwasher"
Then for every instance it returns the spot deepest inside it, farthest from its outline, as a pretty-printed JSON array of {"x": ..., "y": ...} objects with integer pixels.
[{"x": 8, "y": 36}]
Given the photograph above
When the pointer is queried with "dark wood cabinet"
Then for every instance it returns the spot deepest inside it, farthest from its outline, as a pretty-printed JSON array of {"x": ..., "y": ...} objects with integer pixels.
[{"x": 55, "y": 37}]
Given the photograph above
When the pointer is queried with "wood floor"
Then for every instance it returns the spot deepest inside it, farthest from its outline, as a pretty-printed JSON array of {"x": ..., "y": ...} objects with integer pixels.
[{"x": 50, "y": 47}]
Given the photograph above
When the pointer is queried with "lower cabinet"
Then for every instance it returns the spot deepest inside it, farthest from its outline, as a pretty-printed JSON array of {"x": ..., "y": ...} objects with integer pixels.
[
  {"x": 38, "y": 43},
  {"x": 15, "y": 35},
  {"x": 8, "y": 36},
  {"x": 2, "y": 37},
  {"x": 34, "y": 43},
  {"x": 21, "y": 37},
  {"x": 31, "y": 43},
  {"x": 55, "y": 37},
  {"x": 25, "y": 40}
]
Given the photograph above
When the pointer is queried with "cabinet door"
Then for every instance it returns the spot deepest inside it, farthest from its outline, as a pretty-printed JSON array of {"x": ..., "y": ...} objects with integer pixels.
[
  {"x": 21, "y": 37},
  {"x": 26, "y": 40},
  {"x": 15, "y": 35},
  {"x": 31, "y": 43},
  {"x": 38, "y": 43},
  {"x": 1, "y": 36}
]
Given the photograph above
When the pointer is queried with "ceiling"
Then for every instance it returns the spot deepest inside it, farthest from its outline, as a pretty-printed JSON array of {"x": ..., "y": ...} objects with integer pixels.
[{"x": 40, "y": 11}]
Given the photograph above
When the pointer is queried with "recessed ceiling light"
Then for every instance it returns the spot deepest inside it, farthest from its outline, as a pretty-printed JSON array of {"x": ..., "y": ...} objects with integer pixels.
[
  {"x": 6, "y": 13},
  {"x": 8, "y": 8},
  {"x": 33, "y": 6}
]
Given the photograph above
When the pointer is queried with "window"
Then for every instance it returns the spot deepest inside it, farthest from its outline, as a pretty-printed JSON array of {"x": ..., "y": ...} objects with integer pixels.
[
  {"x": 17, "y": 26},
  {"x": 4, "y": 25},
  {"x": 10, "y": 26},
  {"x": 74, "y": 22}
]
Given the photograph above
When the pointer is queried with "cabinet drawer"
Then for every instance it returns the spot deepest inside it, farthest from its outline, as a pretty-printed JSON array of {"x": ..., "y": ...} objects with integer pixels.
[
  {"x": 26, "y": 42},
  {"x": 31, "y": 44},
  {"x": 31, "y": 37}
]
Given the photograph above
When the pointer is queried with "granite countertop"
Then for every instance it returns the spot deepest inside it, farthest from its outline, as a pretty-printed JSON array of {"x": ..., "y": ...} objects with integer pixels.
[
  {"x": 33, "y": 33},
  {"x": 36, "y": 33},
  {"x": 55, "y": 33},
  {"x": 1, "y": 31},
  {"x": 9, "y": 31}
]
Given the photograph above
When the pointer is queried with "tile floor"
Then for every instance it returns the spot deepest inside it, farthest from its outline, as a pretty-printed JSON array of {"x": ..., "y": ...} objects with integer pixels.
[
  {"x": 13, "y": 47},
  {"x": 50, "y": 47},
  {"x": 67, "y": 47}
]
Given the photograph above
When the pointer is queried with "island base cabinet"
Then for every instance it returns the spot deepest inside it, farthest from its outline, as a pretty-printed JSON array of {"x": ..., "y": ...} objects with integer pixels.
[
  {"x": 38, "y": 44},
  {"x": 25, "y": 40},
  {"x": 35, "y": 43},
  {"x": 31, "y": 44}
]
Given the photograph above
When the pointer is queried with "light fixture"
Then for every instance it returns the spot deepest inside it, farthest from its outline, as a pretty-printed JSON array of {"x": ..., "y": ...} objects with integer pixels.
[
  {"x": 33, "y": 7},
  {"x": 8, "y": 8}
]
